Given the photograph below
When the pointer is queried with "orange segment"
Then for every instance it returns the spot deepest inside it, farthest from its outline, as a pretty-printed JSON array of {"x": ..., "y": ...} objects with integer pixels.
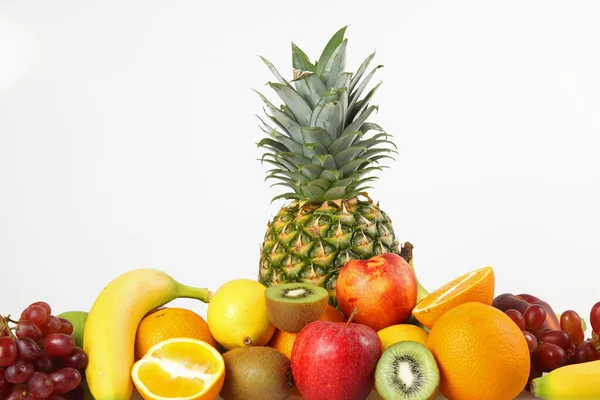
[
  {"x": 474, "y": 286},
  {"x": 182, "y": 368},
  {"x": 164, "y": 380}
]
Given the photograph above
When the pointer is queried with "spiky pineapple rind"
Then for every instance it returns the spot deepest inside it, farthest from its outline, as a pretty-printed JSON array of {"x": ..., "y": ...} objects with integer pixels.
[{"x": 311, "y": 243}]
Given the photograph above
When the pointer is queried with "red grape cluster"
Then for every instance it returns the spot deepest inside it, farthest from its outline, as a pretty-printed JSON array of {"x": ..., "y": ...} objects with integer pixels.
[
  {"x": 38, "y": 356},
  {"x": 553, "y": 348}
]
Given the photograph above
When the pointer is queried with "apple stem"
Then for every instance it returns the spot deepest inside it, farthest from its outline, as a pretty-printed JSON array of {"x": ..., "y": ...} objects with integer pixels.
[{"x": 354, "y": 312}]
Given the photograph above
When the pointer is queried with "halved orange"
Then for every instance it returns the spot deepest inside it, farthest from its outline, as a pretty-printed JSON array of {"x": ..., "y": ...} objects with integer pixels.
[
  {"x": 477, "y": 285},
  {"x": 181, "y": 368}
]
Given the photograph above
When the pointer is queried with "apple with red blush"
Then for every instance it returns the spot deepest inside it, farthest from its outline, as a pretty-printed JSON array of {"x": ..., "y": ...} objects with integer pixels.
[
  {"x": 335, "y": 360},
  {"x": 383, "y": 288}
]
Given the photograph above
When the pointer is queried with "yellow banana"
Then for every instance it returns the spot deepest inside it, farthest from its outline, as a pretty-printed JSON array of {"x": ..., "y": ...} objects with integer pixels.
[
  {"x": 111, "y": 326},
  {"x": 421, "y": 291},
  {"x": 571, "y": 382}
]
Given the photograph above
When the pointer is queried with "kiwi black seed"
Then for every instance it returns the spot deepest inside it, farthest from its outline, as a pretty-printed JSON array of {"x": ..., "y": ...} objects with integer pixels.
[
  {"x": 407, "y": 371},
  {"x": 292, "y": 306},
  {"x": 257, "y": 373}
]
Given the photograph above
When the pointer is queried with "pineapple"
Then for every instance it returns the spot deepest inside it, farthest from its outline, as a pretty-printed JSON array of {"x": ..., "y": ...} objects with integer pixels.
[{"x": 322, "y": 148}]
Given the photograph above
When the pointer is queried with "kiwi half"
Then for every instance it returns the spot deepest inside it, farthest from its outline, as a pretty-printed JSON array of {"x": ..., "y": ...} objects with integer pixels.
[
  {"x": 407, "y": 371},
  {"x": 291, "y": 306},
  {"x": 257, "y": 373}
]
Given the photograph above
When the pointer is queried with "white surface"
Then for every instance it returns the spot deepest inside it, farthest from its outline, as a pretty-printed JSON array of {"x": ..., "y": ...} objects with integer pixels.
[
  {"x": 127, "y": 139},
  {"x": 374, "y": 396}
]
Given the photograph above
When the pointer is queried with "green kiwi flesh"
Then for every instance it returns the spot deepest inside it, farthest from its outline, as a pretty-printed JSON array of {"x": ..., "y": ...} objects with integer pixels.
[
  {"x": 292, "y": 306},
  {"x": 407, "y": 371},
  {"x": 257, "y": 373}
]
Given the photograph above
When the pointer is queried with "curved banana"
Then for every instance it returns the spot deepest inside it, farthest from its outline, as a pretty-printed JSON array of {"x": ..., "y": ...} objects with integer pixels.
[
  {"x": 575, "y": 382},
  {"x": 111, "y": 326},
  {"x": 421, "y": 291},
  {"x": 406, "y": 252}
]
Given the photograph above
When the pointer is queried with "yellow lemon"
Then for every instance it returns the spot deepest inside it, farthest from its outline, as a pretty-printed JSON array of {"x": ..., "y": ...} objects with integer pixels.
[
  {"x": 237, "y": 315},
  {"x": 402, "y": 333}
]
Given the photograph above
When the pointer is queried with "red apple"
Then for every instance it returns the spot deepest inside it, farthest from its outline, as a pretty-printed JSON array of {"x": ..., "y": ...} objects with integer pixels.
[
  {"x": 552, "y": 320},
  {"x": 383, "y": 288},
  {"x": 508, "y": 301},
  {"x": 335, "y": 360},
  {"x": 521, "y": 303}
]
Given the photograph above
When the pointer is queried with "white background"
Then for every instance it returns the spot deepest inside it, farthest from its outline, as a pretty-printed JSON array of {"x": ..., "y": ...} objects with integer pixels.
[{"x": 128, "y": 131}]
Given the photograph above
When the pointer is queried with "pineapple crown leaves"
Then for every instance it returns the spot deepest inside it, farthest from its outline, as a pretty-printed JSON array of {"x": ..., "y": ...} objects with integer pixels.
[{"x": 319, "y": 140}]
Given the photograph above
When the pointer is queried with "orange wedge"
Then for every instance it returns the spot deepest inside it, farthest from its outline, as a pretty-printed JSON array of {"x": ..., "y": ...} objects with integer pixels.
[
  {"x": 179, "y": 368},
  {"x": 477, "y": 285}
]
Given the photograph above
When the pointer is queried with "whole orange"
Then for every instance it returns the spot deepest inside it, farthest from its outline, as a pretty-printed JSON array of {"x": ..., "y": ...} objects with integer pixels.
[
  {"x": 170, "y": 323},
  {"x": 481, "y": 353}
]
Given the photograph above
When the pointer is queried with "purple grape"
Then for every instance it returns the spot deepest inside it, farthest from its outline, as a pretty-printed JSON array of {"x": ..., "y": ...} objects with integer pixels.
[
  {"x": 78, "y": 359},
  {"x": 43, "y": 362},
  {"x": 28, "y": 349},
  {"x": 59, "y": 344},
  {"x": 19, "y": 372},
  {"x": 40, "y": 385},
  {"x": 65, "y": 380}
]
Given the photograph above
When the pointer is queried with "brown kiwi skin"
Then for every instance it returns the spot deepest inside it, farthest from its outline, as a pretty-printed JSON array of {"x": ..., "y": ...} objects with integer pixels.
[
  {"x": 293, "y": 316},
  {"x": 257, "y": 373}
]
